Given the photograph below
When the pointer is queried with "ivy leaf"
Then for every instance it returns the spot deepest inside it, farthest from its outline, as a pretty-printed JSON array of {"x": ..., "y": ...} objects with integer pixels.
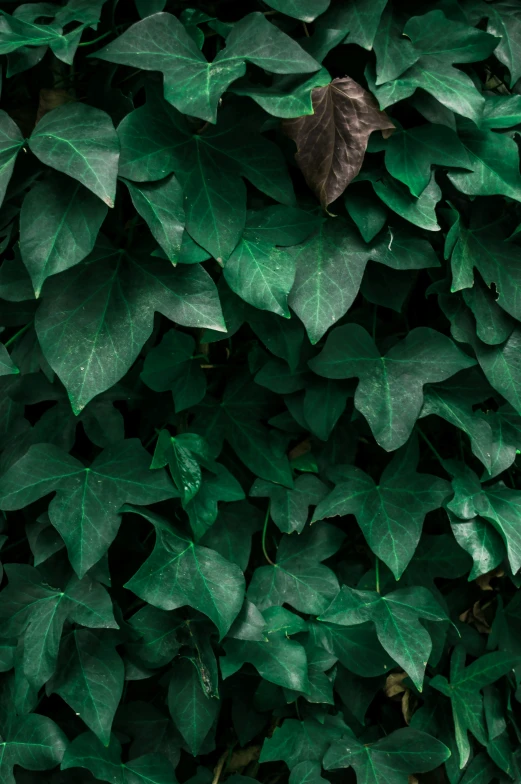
[
  {"x": 331, "y": 143},
  {"x": 494, "y": 159},
  {"x": 236, "y": 418},
  {"x": 11, "y": 141},
  {"x": 500, "y": 364},
  {"x": 33, "y": 742},
  {"x": 390, "y": 760},
  {"x": 99, "y": 307},
  {"x": 191, "y": 84},
  {"x": 504, "y": 22},
  {"x": 297, "y": 741},
  {"x": 85, "y": 510},
  {"x": 159, "y": 633},
  {"x": 505, "y": 425},
  {"x": 287, "y": 96},
  {"x": 289, "y": 508},
  {"x": 59, "y": 223},
  {"x": 453, "y": 401},
  {"x": 394, "y": 53},
  {"x": 464, "y": 693},
  {"x": 90, "y": 677},
  {"x": 172, "y": 366},
  {"x": 381, "y": 509},
  {"x": 104, "y": 762},
  {"x": 35, "y": 611},
  {"x": 298, "y": 578},
  {"x": 277, "y": 659},
  {"x": 306, "y": 11},
  {"x": 80, "y": 141},
  {"x": 156, "y": 140},
  {"x": 7, "y": 366},
  {"x": 420, "y": 212},
  {"x": 192, "y": 710},
  {"x": 396, "y": 618},
  {"x": 330, "y": 267},
  {"x": 259, "y": 270},
  {"x": 441, "y": 43},
  {"x": 390, "y": 408},
  {"x": 410, "y": 153},
  {"x": 480, "y": 541},
  {"x": 161, "y": 205},
  {"x": 180, "y": 573},
  {"x": 231, "y": 534},
  {"x": 485, "y": 249}
]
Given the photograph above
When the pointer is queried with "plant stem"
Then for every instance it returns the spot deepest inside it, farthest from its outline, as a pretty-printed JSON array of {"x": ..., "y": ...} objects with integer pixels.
[
  {"x": 264, "y": 530},
  {"x": 377, "y": 568},
  {"x": 18, "y": 334},
  {"x": 432, "y": 448},
  {"x": 96, "y": 40}
]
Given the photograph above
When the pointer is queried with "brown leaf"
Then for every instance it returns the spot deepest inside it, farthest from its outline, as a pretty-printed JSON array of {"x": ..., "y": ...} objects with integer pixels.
[
  {"x": 331, "y": 143},
  {"x": 475, "y": 616},
  {"x": 51, "y": 98},
  {"x": 242, "y": 757},
  {"x": 394, "y": 684},
  {"x": 484, "y": 579},
  {"x": 300, "y": 449}
]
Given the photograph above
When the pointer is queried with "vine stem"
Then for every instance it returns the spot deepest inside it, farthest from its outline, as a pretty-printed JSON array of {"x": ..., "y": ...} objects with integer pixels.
[
  {"x": 432, "y": 448},
  {"x": 377, "y": 568},
  {"x": 18, "y": 334},
  {"x": 264, "y": 531}
]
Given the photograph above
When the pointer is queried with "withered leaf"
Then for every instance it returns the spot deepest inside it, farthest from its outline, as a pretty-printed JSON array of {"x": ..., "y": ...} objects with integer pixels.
[{"x": 331, "y": 142}]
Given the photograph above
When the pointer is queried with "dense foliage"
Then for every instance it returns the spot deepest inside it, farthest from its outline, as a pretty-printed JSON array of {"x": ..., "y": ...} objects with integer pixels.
[{"x": 260, "y": 404}]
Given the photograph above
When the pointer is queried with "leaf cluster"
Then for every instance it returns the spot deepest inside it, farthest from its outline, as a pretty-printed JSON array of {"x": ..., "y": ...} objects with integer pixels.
[{"x": 260, "y": 391}]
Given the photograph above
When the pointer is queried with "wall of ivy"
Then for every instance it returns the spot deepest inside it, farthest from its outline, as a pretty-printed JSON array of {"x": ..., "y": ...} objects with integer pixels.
[{"x": 260, "y": 391}]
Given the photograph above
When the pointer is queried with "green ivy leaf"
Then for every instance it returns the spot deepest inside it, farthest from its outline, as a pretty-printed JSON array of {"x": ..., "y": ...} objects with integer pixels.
[
  {"x": 36, "y": 612},
  {"x": 298, "y": 578},
  {"x": 11, "y": 142},
  {"x": 172, "y": 366},
  {"x": 180, "y": 573},
  {"x": 63, "y": 232},
  {"x": 389, "y": 760},
  {"x": 306, "y": 11},
  {"x": 85, "y": 510},
  {"x": 289, "y": 508},
  {"x": 298, "y": 741},
  {"x": 90, "y": 677},
  {"x": 464, "y": 689},
  {"x": 98, "y": 306},
  {"x": 390, "y": 408},
  {"x": 494, "y": 163},
  {"x": 33, "y": 742},
  {"x": 191, "y": 84},
  {"x": 7, "y": 366},
  {"x": 191, "y": 709},
  {"x": 410, "y": 153},
  {"x": 161, "y": 205},
  {"x": 396, "y": 618},
  {"x": 277, "y": 658},
  {"x": 381, "y": 509},
  {"x": 104, "y": 762},
  {"x": 80, "y": 141}
]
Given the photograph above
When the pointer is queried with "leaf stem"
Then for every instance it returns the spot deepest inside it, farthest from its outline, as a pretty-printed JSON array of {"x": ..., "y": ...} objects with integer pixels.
[
  {"x": 432, "y": 448},
  {"x": 377, "y": 569},
  {"x": 264, "y": 530},
  {"x": 18, "y": 334},
  {"x": 96, "y": 40}
]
